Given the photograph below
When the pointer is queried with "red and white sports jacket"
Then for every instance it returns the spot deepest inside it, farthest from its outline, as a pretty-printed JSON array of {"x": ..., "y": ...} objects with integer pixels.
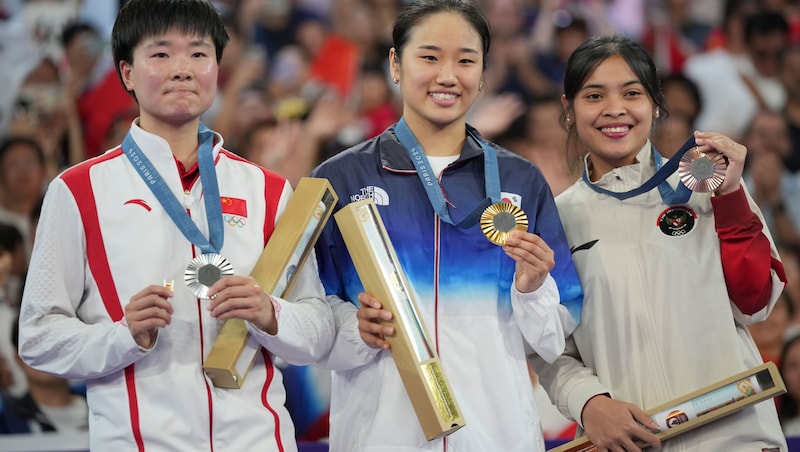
[{"x": 102, "y": 237}]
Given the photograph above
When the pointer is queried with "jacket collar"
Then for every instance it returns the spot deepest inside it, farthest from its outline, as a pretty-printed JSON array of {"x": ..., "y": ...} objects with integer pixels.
[{"x": 395, "y": 157}]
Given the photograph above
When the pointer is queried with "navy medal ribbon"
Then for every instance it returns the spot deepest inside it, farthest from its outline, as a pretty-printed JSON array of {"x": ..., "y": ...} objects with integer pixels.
[
  {"x": 670, "y": 196},
  {"x": 431, "y": 184}
]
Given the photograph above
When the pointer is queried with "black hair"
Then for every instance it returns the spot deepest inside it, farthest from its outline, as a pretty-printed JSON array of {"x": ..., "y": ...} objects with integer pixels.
[
  {"x": 588, "y": 56},
  {"x": 12, "y": 141},
  {"x": 414, "y": 13},
  {"x": 10, "y": 238},
  {"x": 678, "y": 78},
  {"x": 15, "y": 333},
  {"x": 764, "y": 23},
  {"x": 787, "y": 405},
  {"x": 591, "y": 53},
  {"x": 141, "y": 19},
  {"x": 72, "y": 29}
]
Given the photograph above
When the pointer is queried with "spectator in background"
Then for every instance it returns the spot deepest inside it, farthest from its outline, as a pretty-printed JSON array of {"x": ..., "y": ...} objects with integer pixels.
[
  {"x": 293, "y": 146},
  {"x": 50, "y": 404},
  {"x": 560, "y": 27},
  {"x": 790, "y": 9},
  {"x": 12, "y": 269},
  {"x": 274, "y": 24},
  {"x": 19, "y": 54},
  {"x": 790, "y": 78},
  {"x": 540, "y": 138},
  {"x": 674, "y": 34},
  {"x": 774, "y": 188},
  {"x": 683, "y": 102},
  {"x": 43, "y": 114},
  {"x": 241, "y": 95},
  {"x": 768, "y": 335},
  {"x": 729, "y": 33},
  {"x": 791, "y": 264},
  {"x": 735, "y": 87},
  {"x": 91, "y": 82},
  {"x": 671, "y": 133},
  {"x": 23, "y": 179},
  {"x": 682, "y": 97},
  {"x": 567, "y": 36},
  {"x": 6, "y": 377},
  {"x": 789, "y": 403},
  {"x": 512, "y": 67}
]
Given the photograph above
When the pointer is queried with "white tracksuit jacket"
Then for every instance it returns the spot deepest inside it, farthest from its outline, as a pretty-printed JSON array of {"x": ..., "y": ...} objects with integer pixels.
[
  {"x": 657, "y": 321},
  {"x": 103, "y": 237}
]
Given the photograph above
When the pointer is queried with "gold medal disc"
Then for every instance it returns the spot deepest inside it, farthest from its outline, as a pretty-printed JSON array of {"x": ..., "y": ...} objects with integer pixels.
[
  {"x": 500, "y": 219},
  {"x": 702, "y": 171},
  {"x": 203, "y": 271}
]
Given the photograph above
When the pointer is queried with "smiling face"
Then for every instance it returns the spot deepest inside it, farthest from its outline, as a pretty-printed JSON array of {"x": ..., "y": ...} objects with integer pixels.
[
  {"x": 613, "y": 115},
  {"x": 439, "y": 70},
  {"x": 174, "y": 77}
]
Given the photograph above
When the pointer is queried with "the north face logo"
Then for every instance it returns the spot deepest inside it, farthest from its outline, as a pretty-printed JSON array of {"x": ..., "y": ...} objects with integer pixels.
[{"x": 377, "y": 194}]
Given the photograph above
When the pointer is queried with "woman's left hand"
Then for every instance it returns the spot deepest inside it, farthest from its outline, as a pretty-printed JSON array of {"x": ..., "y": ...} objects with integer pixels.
[
  {"x": 733, "y": 151},
  {"x": 534, "y": 260},
  {"x": 240, "y": 297}
]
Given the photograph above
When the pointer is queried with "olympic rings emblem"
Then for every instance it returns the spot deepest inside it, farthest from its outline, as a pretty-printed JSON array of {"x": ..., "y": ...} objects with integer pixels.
[{"x": 235, "y": 221}]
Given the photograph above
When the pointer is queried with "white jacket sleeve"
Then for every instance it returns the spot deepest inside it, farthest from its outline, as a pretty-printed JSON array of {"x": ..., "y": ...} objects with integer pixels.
[
  {"x": 567, "y": 381},
  {"x": 64, "y": 327},
  {"x": 537, "y": 316},
  {"x": 305, "y": 322},
  {"x": 349, "y": 351}
]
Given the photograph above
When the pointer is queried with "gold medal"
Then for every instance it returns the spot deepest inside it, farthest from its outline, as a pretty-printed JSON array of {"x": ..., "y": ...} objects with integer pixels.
[
  {"x": 702, "y": 171},
  {"x": 203, "y": 271},
  {"x": 500, "y": 219}
]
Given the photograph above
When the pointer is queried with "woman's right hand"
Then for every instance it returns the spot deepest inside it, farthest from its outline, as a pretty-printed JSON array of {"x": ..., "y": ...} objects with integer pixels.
[
  {"x": 147, "y": 312},
  {"x": 614, "y": 425},
  {"x": 371, "y": 316}
]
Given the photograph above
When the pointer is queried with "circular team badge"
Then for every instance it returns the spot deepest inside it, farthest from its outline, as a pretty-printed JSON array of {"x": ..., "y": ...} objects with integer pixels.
[
  {"x": 203, "y": 271},
  {"x": 677, "y": 221},
  {"x": 500, "y": 219}
]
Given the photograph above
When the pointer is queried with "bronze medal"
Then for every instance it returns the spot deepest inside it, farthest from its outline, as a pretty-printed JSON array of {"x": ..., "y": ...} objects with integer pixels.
[{"x": 702, "y": 171}]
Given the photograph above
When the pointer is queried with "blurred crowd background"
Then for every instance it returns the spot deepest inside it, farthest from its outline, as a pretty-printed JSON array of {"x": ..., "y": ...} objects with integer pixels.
[{"x": 304, "y": 79}]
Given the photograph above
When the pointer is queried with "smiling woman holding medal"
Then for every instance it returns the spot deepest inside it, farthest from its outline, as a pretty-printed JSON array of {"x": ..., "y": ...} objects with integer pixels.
[
  {"x": 486, "y": 300},
  {"x": 169, "y": 205},
  {"x": 674, "y": 260}
]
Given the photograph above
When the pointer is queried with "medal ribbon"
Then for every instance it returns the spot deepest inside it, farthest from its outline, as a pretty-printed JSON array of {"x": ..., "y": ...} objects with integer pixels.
[
  {"x": 208, "y": 176},
  {"x": 431, "y": 184},
  {"x": 670, "y": 196}
]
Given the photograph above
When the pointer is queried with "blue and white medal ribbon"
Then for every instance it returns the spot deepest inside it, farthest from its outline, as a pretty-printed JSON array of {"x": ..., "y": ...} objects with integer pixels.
[{"x": 208, "y": 176}]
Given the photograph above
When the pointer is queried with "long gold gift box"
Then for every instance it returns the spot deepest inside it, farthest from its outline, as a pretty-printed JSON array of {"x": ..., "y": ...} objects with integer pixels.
[
  {"x": 416, "y": 359},
  {"x": 696, "y": 409},
  {"x": 293, "y": 239}
]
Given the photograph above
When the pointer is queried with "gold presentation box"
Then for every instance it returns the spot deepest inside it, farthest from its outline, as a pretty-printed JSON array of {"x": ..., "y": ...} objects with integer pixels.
[
  {"x": 704, "y": 405},
  {"x": 415, "y": 357},
  {"x": 292, "y": 241}
]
